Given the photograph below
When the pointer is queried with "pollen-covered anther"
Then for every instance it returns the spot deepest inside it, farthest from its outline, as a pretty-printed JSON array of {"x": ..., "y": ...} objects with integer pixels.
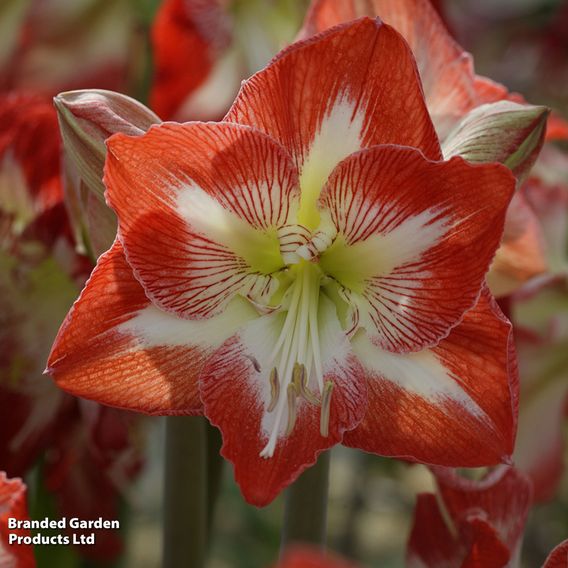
[
  {"x": 300, "y": 379},
  {"x": 292, "y": 394},
  {"x": 325, "y": 408},
  {"x": 274, "y": 389}
]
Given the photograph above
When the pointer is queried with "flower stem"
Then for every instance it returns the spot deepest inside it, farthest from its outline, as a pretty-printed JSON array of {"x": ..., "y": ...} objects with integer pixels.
[
  {"x": 185, "y": 493},
  {"x": 214, "y": 474},
  {"x": 305, "y": 509}
]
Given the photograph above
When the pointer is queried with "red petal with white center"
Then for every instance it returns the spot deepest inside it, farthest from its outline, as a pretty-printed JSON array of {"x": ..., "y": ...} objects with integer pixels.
[
  {"x": 454, "y": 404},
  {"x": 558, "y": 558},
  {"x": 115, "y": 347},
  {"x": 326, "y": 97},
  {"x": 188, "y": 36},
  {"x": 433, "y": 543},
  {"x": 236, "y": 393},
  {"x": 13, "y": 506},
  {"x": 199, "y": 205},
  {"x": 445, "y": 68},
  {"x": 521, "y": 255},
  {"x": 431, "y": 230}
]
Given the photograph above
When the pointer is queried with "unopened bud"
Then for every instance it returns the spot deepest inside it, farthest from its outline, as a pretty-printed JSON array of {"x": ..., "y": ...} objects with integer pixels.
[
  {"x": 505, "y": 132},
  {"x": 86, "y": 120}
]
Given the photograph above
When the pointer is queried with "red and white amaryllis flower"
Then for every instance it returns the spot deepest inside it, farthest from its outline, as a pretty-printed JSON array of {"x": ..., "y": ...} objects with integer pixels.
[{"x": 306, "y": 272}]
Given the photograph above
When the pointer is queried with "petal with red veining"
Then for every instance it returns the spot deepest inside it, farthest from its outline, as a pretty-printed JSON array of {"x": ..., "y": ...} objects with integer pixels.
[
  {"x": 199, "y": 206},
  {"x": 414, "y": 239},
  {"x": 236, "y": 393},
  {"x": 119, "y": 349},
  {"x": 454, "y": 404},
  {"x": 445, "y": 68},
  {"x": 326, "y": 97}
]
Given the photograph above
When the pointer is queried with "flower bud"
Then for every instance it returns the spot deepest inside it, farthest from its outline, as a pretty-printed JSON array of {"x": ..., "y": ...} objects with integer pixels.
[
  {"x": 504, "y": 132},
  {"x": 86, "y": 119}
]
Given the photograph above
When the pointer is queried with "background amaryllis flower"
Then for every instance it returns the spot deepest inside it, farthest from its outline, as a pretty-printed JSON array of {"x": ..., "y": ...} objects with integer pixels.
[
  {"x": 13, "y": 506},
  {"x": 203, "y": 49},
  {"x": 304, "y": 273},
  {"x": 475, "y": 524},
  {"x": 306, "y": 557},
  {"x": 50, "y": 46},
  {"x": 471, "y": 524}
]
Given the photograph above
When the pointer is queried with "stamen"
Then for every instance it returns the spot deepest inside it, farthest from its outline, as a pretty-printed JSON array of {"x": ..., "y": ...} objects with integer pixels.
[
  {"x": 274, "y": 389},
  {"x": 325, "y": 408},
  {"x": 300, "y": 379},
  {"x": 292, "y": 395},
  {"x": 296, "y": 356},
  {"x": 254, "y": 362}
]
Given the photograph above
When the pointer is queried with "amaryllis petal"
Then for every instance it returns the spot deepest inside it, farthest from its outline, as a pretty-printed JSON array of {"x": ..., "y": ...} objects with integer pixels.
[
  {"x": 522, "y": 254},
  {"x": 436, "y": 543},
  {"x": 472, "y": 524},
  {"x": 547, "y": 194},
  {"x": 503, "y": 496},
  {"x": 283, "y": 423},
  {"x": 445, "y": 68},
  {"x": 414, "y": 239},
  {"x": 199, "y": 206},
  {"x": 29, "y": 414},
  {"x": 558, "y": 558},
  {"x": 13, "y": 506},
  {"x": 117, "y": 348},
  {"x": 539, "y": 452},
  {"x": 557, "y": 128},
  {"x": 187, "y": 36},
  {"x": 29, "y": 141},
  {"x": 461, "y": 396},
  {"x": 541, "y": 324},
  {"x": 326, "y": 97},
  {"x": 302, "y": 556}
]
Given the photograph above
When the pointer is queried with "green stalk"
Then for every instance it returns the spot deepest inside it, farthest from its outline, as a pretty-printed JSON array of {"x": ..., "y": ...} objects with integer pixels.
[
  {"x": 214, "y": 474},
  {"x": 305, "y": 508},
  {"x": 185, "y": 493}
]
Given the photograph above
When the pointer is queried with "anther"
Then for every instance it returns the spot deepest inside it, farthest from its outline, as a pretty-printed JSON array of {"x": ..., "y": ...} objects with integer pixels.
[
  {"x": 325, "y": 408},
  {"x": 254, "y": 362},
  {"x": 292, "y": 395},
  {"x": 274, "y": 389},
  {"x": 300, "y": 379}
]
